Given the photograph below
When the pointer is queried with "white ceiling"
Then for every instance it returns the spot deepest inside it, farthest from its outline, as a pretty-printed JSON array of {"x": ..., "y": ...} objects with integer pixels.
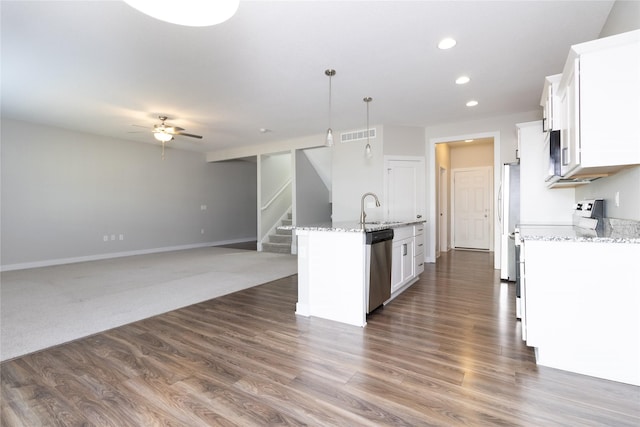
[{"x": 101, "y": 66}]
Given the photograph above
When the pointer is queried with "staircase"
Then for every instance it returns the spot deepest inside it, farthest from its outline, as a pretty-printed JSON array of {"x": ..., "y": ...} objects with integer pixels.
[{"x": 281, "y": 241}]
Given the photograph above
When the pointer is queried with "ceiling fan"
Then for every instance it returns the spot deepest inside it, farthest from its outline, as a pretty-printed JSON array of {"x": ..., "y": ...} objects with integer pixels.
[{"x": 165, "y": 133}]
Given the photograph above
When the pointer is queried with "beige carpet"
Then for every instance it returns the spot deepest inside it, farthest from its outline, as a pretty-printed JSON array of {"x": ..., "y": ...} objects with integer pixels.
[{"x": 43, "y": 307}]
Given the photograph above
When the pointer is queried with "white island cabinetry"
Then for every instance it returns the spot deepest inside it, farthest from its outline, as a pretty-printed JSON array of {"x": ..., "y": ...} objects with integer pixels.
[
  {"x": 403, "y": 262},
  {"x": 333, "y": 273},
  {"x": 408, "y": 257}
]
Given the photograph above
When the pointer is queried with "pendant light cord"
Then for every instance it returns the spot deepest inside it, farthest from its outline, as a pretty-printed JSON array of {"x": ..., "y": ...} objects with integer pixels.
[
  {"x": 367, "y": 149},
  {"x": 330, "y": 75},
  {"x": 329, "y": 138}
]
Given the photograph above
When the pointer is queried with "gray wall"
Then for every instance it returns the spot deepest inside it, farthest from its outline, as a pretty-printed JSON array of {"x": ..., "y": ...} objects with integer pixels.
[
  {"x": 626, "y": 184},
  {"x": 624, "y": 16},
  {"x": 313, "y": 199},
  {"x": 353, "y": 175},
  {"x": 63, "y": 191},
  {"x": 403, "y": 140}
]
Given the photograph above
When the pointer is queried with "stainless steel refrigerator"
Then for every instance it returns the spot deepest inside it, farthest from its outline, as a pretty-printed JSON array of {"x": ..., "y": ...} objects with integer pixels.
[{"x": 509, "y": 216}]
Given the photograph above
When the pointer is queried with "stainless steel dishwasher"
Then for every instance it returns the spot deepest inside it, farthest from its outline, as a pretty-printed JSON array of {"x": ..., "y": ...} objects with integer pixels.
[{"x": 379, "y": 247}]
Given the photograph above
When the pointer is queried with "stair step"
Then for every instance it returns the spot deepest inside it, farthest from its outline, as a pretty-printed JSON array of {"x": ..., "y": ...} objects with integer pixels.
[
  {"x": 279, "y": 248},
  {"x": 286, "y": 222},
  {"x": 280, "y": 238},
  {"x": 282, "y": 232}
]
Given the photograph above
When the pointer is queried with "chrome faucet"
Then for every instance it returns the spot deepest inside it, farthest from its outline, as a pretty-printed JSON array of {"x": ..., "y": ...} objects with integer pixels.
[{"x": 362, "y": 214}]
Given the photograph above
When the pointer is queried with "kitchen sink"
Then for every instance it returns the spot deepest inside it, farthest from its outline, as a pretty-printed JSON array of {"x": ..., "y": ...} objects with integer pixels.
[{"x": 382, "y": 222}]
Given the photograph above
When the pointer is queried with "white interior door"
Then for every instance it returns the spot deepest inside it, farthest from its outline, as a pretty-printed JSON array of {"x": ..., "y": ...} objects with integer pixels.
[
  {"x": 472, "y": 208},
  {"x": 404, "y": 189}
]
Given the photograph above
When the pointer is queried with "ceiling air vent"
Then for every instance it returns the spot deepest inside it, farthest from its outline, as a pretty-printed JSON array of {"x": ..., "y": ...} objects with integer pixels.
[{"x": 357, "y": 135}]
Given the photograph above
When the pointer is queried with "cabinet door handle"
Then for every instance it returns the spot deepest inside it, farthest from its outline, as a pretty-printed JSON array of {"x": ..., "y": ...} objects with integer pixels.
[
  {"x": 565, "y": 156},
  {"x": 404, "y": 249}
]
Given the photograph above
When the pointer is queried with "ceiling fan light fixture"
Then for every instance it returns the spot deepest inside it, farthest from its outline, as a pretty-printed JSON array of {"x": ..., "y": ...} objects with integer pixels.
[
  {"x": 191, "y": 13},
  {"x": 163, "y": 136},
  {"x": 446, "y": 43}
]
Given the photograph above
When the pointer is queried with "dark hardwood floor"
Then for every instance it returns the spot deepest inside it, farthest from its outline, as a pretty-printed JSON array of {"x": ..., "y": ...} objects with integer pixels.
[{"x": 446, "y": 352}]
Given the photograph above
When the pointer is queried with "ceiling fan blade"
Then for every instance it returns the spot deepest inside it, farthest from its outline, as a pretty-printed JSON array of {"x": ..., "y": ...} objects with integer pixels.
[
  {"x": 141, "y": 126},
  {"x": 190, "y": 135}
]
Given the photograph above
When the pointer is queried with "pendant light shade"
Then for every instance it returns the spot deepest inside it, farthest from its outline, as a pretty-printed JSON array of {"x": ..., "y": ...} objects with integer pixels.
[
  {"x": 329, "y": 138},
  {"x": 367, "y": 149}
]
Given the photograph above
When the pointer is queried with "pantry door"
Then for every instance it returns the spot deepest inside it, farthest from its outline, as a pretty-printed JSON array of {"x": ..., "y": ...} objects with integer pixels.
[
  {"x": 472, "y": 208},
  {"x": 404, "y": 188}
]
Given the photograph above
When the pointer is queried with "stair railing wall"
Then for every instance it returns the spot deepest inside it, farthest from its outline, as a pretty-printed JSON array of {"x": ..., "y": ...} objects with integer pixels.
[{"x": 277, "y": 208}]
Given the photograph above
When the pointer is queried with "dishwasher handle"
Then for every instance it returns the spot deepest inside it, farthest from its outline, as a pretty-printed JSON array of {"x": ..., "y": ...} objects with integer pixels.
[{"x": 373, "y": 237}]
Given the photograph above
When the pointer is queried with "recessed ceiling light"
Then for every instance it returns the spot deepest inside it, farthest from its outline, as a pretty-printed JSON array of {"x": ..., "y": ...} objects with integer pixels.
[
  {"x": 468, "y": 140},
  {"x": 462, "y": 80},
  {"x": 447, "y": 43},
  {"x": 472, "y": 103}
]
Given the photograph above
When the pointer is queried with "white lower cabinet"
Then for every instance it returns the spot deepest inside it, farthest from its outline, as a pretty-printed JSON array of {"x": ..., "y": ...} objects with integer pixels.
[
  {"x": 408, "y": 256},
  {"x": 580, "y": 307},
  {"x": 418, "y": 258}
]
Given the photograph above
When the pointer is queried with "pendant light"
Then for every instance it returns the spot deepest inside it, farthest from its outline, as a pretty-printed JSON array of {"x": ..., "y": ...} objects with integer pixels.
[
  {"x": 329, "y": 138},
  {"x": 367, "y": 149}
]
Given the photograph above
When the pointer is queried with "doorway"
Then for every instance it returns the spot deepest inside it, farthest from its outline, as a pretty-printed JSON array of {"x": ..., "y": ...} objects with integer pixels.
[
  {"x": 443, "y": 211},
  {"x": 438, "y": 150},
  {"x": 471, "y": 213}
]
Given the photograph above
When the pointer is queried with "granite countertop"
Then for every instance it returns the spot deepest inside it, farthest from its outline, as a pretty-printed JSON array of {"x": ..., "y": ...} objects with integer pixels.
[
  {"x": 353, "y": 226},
  {"x": 611, "y": 230}
]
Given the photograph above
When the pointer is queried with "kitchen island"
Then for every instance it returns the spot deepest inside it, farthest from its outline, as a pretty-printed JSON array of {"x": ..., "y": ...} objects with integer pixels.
[{"x": 332, "y": 267}]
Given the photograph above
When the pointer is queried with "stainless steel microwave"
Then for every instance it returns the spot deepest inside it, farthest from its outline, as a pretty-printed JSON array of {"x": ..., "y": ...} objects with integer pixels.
[{"x": 555, "y": 157}]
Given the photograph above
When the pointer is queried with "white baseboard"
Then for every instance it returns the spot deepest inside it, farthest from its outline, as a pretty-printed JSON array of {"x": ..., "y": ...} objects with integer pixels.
[{"x": 98, "y": 257}]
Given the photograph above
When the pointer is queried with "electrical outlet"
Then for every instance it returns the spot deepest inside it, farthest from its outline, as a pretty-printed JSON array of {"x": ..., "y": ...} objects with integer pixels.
[
  {"x": 202, "y": 231},
  {"x": 105, "y": 238},
  {"x": 121, "y": 237},
  {"x": 113, "y": 237},
  {"x": 617, "y": 199}
]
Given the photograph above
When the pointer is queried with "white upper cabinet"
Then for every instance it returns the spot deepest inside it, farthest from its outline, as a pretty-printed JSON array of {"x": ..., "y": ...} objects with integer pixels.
[
  {"x": 549, "y": 103},
  {"x": 599, "y": 97}
]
